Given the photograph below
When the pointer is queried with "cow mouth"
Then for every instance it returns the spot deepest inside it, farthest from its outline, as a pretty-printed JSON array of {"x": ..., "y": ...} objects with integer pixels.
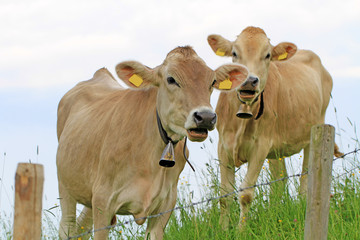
[
  {"x": 197, "y": 134},
  {"x": 247, "y": 94}
]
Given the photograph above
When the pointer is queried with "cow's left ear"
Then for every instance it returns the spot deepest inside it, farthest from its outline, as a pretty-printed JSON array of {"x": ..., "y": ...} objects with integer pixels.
[
  {"x": 135, "y": 74},
  {"x": 283, "y": 51},
  {"x": 230, "y": 76}
]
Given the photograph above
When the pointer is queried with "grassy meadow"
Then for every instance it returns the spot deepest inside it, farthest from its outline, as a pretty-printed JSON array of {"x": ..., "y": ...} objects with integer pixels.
[{"x": 281, "y": 218}]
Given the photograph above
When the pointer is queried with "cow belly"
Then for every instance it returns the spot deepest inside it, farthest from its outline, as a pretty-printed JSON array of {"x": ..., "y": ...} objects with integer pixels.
[
  {"x": 286, "y": 150},
  {"x": 144, "y": 197}
]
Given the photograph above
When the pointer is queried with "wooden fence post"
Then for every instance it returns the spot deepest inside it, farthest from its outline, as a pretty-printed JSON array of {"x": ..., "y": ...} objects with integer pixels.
[
  {"x": 319, "y": 181},
  {"x": 29, "y": 181}
]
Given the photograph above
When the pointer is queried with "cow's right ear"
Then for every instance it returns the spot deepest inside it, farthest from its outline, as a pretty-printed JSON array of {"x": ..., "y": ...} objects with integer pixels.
[
  {"x": 230, "y": 76},
  {"x": 135, "y": 74},
  {"x": 283, "y": 51},
  {"x": 220, "y": 46}
]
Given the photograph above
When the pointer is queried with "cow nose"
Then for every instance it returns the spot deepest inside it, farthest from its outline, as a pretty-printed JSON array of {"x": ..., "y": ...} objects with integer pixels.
[
  {"x": 205, "y": 119},
  {"x": 253, "y": 81}
]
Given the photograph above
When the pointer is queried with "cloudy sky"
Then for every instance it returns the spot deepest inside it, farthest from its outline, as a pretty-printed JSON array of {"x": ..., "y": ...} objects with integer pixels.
[{"x": 46, "y": 47}]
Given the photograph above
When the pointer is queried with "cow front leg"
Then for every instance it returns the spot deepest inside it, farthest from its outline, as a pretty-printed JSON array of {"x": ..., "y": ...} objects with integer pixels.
[
  {"x": 305, "y": 168},
  {"x": 68, "y": 214},
  {"x": 101, "y": 215},
  {"x": 227, "y": 185},
  {"x": 155, "y": 226},
  {"x": 246, "y": 196},
  {"x": 278, "y": 171}
]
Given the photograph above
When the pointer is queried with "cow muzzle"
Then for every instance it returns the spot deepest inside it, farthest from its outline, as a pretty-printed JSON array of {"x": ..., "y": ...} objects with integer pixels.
[
  {"x": 249, "y": 89},
  {"x": 202, "y": 122}
]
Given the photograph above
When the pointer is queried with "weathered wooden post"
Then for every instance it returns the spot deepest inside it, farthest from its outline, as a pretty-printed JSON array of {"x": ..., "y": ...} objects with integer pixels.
[
  {"x": 29, "y": 181},
  {"x": 319, "y": 181}
]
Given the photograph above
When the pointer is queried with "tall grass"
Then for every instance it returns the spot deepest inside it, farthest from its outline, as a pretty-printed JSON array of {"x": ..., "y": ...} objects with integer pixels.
[{"x": 281, "y": 218}]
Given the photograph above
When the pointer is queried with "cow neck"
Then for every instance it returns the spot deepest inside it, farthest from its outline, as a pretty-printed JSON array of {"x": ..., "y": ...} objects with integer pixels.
[
  {"x": 168, "y": 158},
  {"x": 164, "y": 136},
  {"x": 260, "y": 106}
]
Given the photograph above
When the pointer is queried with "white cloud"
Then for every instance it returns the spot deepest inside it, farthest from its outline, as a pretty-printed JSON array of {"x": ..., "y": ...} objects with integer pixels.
[{"x": 63, "y": 40}]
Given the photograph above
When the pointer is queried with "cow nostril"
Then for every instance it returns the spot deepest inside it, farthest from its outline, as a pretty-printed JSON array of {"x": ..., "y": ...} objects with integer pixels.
[
  {"x": 213, "y": 120},
  {"x": 198, "y": 118},
  {"x": 254, "y": 81}
]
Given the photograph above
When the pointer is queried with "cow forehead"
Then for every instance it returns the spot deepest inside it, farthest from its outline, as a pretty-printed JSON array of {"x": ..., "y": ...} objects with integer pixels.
[
  {"x": 187, "y": 67},
  {"x": 252, "y": 40}
]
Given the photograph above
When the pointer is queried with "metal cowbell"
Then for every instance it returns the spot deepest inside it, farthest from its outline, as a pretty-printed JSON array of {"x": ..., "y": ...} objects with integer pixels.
[{"x": 168, "y": 158}]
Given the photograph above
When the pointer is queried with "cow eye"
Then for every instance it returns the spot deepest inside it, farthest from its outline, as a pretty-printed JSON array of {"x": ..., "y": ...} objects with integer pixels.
[
  {"x": 267, "y": 56},
  {"x": 213, "y": 83},
  {"x": 171, "y": 81}
]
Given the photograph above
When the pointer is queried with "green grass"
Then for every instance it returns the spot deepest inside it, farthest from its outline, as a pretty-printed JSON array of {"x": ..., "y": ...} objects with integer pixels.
[{"x": 282, "y": 218}]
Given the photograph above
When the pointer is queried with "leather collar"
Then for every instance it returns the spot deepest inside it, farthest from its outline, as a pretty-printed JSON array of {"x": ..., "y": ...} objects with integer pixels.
[
  {"x": 169, "y": 160},
  {"x": 166, "y": 139}
]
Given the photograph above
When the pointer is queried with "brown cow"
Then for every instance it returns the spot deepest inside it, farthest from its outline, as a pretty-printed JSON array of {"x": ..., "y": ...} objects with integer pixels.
[
  {"x": 271, "y": 113},
  {"x": 110, "y": 143}
]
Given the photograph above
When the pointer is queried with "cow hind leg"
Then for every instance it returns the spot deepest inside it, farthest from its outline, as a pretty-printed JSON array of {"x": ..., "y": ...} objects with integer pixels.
[
  {"x": 67, "y": 226},
  {"x": 84, "y": 222},
  {"x": 277, "y": 171},
  {"x": 303, "y": 178}
]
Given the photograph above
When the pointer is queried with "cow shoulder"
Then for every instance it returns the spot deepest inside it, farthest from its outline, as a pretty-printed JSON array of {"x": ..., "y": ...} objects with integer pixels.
[{"x": 84, "y": 94}]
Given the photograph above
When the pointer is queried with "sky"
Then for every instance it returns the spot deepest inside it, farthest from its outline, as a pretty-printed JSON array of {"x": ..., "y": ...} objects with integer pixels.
[{"x": 46, "y": 47}]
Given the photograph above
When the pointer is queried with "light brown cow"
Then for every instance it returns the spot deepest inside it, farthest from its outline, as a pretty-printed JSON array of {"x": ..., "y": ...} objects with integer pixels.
[
  {"x": 271, "y": 113},
  {"x": 110, "y": 143}
]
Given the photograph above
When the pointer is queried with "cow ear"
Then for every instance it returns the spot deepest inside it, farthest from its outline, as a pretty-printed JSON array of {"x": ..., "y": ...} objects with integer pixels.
[
  {"x": 283, "y": 51},
  {"x": 220, "y": 46},
  {"x": 135, "y": 74},
  {"x": 230, "y": 76}
]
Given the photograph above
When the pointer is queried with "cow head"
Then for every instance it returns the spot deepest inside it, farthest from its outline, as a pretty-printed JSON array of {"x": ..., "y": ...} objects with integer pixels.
[
  {"x": 253, "y": 49},
  {"x": 184, "y": 84}
]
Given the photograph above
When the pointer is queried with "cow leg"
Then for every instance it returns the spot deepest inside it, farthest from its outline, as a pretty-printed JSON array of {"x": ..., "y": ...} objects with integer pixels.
[
  {"x": 305, "y": 167},
  {"x": 155, "y": 226},
  {"x": 101, "y": 215},
  {"x": 246, "y": 196},
  {"x": 84, "y": 222},
  {"x": 278, "y": 171},
  {"x": 227, "y": 185},
  {"x": 68, "y": 214}
]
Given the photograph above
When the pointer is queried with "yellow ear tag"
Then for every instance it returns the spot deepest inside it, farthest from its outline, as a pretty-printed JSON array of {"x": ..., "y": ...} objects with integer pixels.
[
  {"x": 226, "y": 84},
  {"x": 283, "y": 56},
  {"x": 220, "y": 52},
  {"x": 136, "y": 80}
]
